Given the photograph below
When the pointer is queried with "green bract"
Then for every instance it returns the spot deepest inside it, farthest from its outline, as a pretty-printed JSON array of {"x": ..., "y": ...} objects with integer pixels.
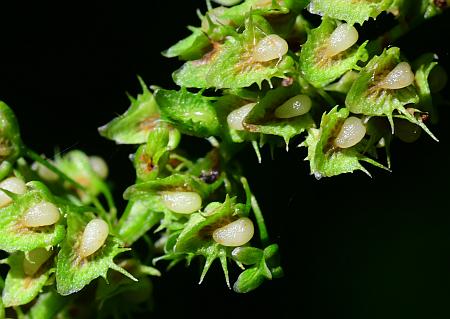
[
  {"x": 262, "y": 119},
  {"x": 191, "y": 113},
  {"x": 231, "y": 64},
  {"x": 196, "y": 237},
  {"x": 10, "y": 141},
  {"x": 190, "y": 48},
  {"x": 151, "y": 158},
  {"x": 324, "y": 158},
  {"x": 255, "y": 74},
  {"x": 135, "y": 124},
  {"x": 139, "y": 217},
  {"x": 14, "y": 235},
  {"x": 74, "y": 272},
  {"x": 20, "y": 288},
  {"x": 319, "y": 68},
  {"x": 368, "y": 98},
  {"x": 427, "y": 63},
  {"x": 350, "y": 11},
  {"x": 76, "y": 165},
  {"x": 264, "y": 266}
]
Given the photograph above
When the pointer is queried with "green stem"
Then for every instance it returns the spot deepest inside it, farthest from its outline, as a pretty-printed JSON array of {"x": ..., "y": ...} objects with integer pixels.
[{"x": 263, "y": 234}]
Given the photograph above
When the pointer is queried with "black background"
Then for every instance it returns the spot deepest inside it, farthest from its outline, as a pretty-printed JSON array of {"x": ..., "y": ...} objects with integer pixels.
[{"x": 352, "y": 246}]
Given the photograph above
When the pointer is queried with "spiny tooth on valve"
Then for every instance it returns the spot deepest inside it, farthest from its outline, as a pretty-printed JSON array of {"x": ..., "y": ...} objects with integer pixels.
[
  {"x": 400, "y": 77},
  {"x": 235, "y": 234},
  {"x": 270, "y": 48},
  {"x": 41, "y": 214},
  {"x": 342, "y": 38},
  {"x": 94, "y": 236},
  {"x": 295, "y": 106},
  {"x": 351, "y": 133},
  {"x": 14, "y": 185},
  {"x": 35, "y": 259},
  {"x": 182, "y": 202},
  {"x": 237, "y": 116}
]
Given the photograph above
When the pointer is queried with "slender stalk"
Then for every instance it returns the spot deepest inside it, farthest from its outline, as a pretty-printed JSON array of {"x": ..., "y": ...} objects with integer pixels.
[{"x": 263, "y": 234}]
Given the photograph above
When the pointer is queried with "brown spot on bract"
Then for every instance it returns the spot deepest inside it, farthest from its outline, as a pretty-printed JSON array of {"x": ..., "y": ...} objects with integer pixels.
[
  {"x": 440, "y": 3},
  {"x": 149, "y": 123},
  {"x": 209, "y": 56}
]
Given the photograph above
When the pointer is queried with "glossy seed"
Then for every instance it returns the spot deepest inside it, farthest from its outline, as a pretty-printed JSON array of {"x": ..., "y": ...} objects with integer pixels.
[
  {"x": 295, "y": 106},
  {"x": 270, "y": 48},
  {"x": 342, "y": 38},
  {"x": 236, "y": 117},
  {"x": 94, "y": 236},
  {"x": 35, "y": 259},
  {"x": 182, "y": 202},
  {"x": 400, "y": 77},
  {"x": 14, "y": 185},
  {"x": 41, "y": 214},
  {"x": 235, "y": 234},
  {"x": 99, "y": 166},
  {"x": 351, "y": 133}
]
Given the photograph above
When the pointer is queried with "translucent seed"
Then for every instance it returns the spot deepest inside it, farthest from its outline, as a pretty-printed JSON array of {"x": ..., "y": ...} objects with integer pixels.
[
  {"x": 236, "y": 117},
  {"x": 351, "y": 133},
  {"x": 270, "y": 48},
  {"x": 182, "y": 202},
  {"x": 94, "y": 236},
  {"x": 42, "y": 214},
  {"x": 99, "y": 166},
  {"x": 400, "y": 77},
  {"x": 235, "y": 234},
  {"x": 14, "y": 185},
  {"x": 44, "y": 172},
  {"x": 295, "y": 106},
  {"x": 342, "y": 38},
  {"x": 35, "y": 259},
  {"x": 406, "y": 131}
]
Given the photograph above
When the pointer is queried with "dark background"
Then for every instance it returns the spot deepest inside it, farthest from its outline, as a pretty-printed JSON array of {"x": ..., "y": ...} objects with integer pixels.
[{"x": 352, "y": 246}]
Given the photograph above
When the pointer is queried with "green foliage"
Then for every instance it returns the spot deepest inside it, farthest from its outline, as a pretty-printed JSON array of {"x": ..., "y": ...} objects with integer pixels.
[
  {"x": 135, "y": 124},
  {"x": 320, "y": 69},
  {"x": 368, "y": 98},
  {"x": 349, "y": 10},
  {"x": 20, "y": 288},
  {"x": 324, "y": 158},
  {"x": 14, "y": 235},
  {"x": 231, "y": 64},
  {"x": 73, "y": 271},
  {"x": 220, "y": 61}
]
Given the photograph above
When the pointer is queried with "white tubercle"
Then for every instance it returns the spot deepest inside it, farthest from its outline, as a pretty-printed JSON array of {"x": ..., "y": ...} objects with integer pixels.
[
  {"x": 342, "y": 38},
  {"x": 235, "y": 234},
  {"x": 182, "y": 202},
  {"x": 34, "y": 260},
  {"x": 99, "y": 166},
  {"x": 270, "y": 48},
  {"x": 94, "y": 236},
  {"x": 236, "y": 117},
  {"x": 295, "y": 106},
  {"x": 14, "y": 185},
  {"x": 41, "y": 214},
  {"x": 400, "y": 77},
  {"x": 351, "y": 133}
]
